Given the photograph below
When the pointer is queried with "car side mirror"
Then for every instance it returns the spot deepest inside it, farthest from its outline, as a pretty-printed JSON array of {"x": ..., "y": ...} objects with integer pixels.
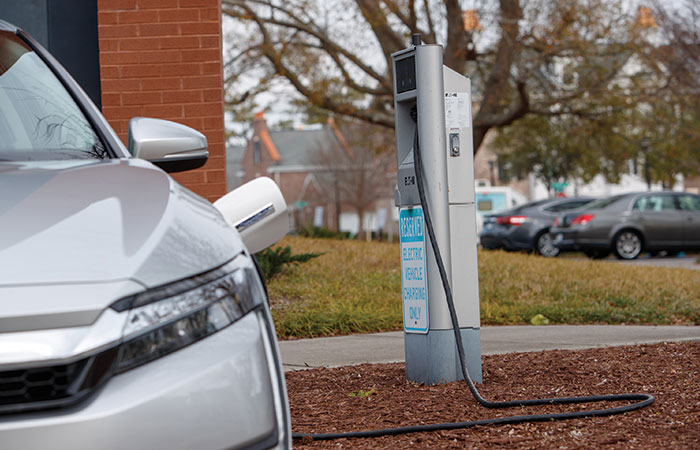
[
  {"x": 258, "y": 211},
  {"x": 171, "y": 146}
]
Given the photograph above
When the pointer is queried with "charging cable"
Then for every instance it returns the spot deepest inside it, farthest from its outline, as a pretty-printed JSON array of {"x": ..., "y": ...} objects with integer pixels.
[{"x": 642, "y": 400}]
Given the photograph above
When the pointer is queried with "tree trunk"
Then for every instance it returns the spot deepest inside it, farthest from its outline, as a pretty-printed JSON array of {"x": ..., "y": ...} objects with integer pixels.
[
  {"x": 360, "y": 228},
  {"x": 337, "y": 205}
]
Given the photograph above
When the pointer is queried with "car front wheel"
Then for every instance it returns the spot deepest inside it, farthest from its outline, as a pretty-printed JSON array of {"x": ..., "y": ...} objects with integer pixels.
[
  {"x": 627, "y": 244},
  {"x": 545, "y": 245}
]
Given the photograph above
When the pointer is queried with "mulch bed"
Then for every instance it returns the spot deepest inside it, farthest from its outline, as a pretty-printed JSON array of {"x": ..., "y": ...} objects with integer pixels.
[{"x": 373, "y": 396}]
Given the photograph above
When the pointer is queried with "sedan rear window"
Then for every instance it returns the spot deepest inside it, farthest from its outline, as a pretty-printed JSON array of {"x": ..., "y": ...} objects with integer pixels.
[
  {"x": 566, "y": 205},
  {"x": 38, "y": 117}
]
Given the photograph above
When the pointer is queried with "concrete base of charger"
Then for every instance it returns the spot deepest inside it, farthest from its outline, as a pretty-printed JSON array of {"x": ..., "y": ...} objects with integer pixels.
[{"x": 432, "y": 358}]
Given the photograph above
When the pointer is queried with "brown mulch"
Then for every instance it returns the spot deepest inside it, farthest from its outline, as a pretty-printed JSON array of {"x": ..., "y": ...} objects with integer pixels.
[{"x": 373, "y": 396}]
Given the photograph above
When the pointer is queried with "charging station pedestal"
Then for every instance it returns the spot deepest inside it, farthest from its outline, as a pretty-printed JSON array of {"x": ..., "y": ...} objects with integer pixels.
[{"x": 442, "y": 99}]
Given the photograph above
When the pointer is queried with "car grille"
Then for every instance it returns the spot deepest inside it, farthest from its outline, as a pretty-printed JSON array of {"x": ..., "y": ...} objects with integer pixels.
[
  {"x": 41, "y": 384},
  {"x": 53, "y": 386}
]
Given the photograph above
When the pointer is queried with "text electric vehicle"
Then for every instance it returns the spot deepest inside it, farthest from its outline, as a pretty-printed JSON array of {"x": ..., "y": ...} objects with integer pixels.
[
  {"x": 132, "y": 314},
  {"x": 630, "y": 224}
]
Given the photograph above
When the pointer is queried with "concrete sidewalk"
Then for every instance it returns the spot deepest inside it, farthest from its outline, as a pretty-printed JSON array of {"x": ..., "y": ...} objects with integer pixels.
[{"x": 388, "y": 347}]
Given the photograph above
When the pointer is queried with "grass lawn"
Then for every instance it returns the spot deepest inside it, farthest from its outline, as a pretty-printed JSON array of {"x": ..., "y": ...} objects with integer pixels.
[{"x": 355, "y": 287}]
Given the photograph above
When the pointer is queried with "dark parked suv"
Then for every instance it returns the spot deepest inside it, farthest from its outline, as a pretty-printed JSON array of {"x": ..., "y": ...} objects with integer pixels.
[
  {"x": 629, "y": 224},
  {"x": 526, "y": 227}
]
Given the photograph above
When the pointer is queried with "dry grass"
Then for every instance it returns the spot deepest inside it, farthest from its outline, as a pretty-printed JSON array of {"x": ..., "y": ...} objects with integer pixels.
[{"x": 355, "y": 287}]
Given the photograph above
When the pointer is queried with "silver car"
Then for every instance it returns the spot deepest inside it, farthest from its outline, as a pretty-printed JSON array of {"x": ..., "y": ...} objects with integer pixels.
[
  {"x": 132, "y": 314},
  {"x": 629, "y": 224},
  {"x": 526, "y": 227}
]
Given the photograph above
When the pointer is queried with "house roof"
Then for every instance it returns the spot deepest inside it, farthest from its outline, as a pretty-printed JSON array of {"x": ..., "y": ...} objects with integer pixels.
[
  {"x": 234, "y": 153},
  {"x": 297, "y": 146}
]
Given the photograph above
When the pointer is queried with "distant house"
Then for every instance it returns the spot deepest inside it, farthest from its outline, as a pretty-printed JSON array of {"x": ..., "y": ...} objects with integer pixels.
[{"x": 290, "y": 158}]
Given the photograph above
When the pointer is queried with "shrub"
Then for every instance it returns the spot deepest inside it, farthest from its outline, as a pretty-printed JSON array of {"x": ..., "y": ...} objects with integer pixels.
[{"x": 272, "y": 260}]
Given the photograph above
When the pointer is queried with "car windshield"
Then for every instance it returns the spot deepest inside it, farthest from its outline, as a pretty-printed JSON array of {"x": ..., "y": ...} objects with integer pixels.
[{"x": 39, "y": 120}]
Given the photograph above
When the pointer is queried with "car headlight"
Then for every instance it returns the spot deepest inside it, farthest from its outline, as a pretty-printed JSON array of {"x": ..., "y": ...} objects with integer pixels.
[{"x": 170, "y": 317}]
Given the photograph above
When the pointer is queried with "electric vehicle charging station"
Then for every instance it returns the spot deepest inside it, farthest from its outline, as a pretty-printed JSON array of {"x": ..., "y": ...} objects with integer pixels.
[
  {"x": 433, "y": 120},
  {"x": 435, "y": 194},
  {"x": 434, "y": 101}
]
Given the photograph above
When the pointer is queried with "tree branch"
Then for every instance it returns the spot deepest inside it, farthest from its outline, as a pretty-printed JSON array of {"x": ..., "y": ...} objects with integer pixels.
[
  {"x": 297, "y": 24},
  {"x": 411, "y": 21},
  {"x": 317, "y": 98},
  {"x": 431, "y": 26},
  {"x": 490, "y": 114},
  {"x": 388, "y": 39},
  {"x": 455, "y": 50}
]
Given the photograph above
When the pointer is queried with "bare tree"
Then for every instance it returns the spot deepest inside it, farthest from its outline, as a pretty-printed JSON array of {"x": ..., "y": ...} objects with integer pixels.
[
  {"x": 542, "y": 57},
  {"x": 680, "y": 52},
  {"x": 358, "y": 171}
]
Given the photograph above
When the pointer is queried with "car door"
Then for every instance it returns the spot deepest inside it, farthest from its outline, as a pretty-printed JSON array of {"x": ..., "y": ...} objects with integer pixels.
[
  {"x": 659, "y": 219},
  {"x": 690, "y": 215}
]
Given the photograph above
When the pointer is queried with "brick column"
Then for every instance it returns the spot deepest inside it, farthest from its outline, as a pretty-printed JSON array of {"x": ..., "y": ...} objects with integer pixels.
[{"x": 163, "y": 59}]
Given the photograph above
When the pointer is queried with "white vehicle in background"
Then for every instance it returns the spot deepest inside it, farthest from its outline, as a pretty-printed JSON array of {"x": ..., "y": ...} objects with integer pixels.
[
  {"x": 132, "y": 313},
  {"x": 494, "y": 199}
]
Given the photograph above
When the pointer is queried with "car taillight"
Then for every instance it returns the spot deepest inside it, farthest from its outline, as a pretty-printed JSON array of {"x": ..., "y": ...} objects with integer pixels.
[
  {"x": 582, "y": 219},
  {"x": 556, "y": 222},
  {"x": 511, "y": 220}
]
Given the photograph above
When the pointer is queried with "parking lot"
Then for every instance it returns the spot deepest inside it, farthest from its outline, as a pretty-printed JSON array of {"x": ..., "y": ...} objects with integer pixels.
[{"x": 684, "y": 261}]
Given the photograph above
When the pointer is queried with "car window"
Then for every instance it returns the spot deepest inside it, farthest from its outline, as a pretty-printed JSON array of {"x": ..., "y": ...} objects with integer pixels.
[
  {"x": 553, "y": 208},
  {"x": 604, "y": 202},
  {"x": 38, "y": 117},
  {"x": 484, "y": 205},
  {"x": 565, "y": 206},
  {"x": 574, "y": 205},
  {"x": 521, "y": 208},
  {"x": 491, "y": 201},
  {"x": 689, "y": 202},
  {"x": 654, "y": 203}
]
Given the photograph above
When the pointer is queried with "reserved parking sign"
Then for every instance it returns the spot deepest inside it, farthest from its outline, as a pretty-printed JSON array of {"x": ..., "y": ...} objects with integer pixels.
[{"x": 414, "y": 279}]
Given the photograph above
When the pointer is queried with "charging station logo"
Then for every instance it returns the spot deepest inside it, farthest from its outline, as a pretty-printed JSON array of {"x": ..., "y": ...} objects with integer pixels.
[{"x": 414, "y": 279}]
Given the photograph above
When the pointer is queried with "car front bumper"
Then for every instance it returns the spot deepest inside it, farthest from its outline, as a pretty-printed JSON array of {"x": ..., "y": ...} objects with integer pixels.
[
  {"x": 508, "y": 238},
  {"x": 225, "y": 391},
  {"x": 490, "y": 242},
  {"x": 564, "y": 240}
]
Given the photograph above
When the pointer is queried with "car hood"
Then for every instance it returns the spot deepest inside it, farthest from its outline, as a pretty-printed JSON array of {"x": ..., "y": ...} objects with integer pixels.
[{"x": 73, "y": 222}]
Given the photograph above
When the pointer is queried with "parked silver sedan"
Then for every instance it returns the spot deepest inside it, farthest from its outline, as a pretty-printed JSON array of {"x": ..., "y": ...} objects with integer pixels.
[
  {"x": 132, "y": 315},
  {"x": 629, "y": 224},
  {"x": 526, "y": 227}
]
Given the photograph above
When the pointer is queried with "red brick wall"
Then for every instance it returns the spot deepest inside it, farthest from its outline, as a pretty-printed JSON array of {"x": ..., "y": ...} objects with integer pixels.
[{"x": 163, "y": 59}]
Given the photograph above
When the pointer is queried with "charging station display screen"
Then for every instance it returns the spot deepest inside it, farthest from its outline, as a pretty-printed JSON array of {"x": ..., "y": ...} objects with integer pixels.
[
  {"x": 406, "y": 74},
  {"x": 414, "y": 279}
]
